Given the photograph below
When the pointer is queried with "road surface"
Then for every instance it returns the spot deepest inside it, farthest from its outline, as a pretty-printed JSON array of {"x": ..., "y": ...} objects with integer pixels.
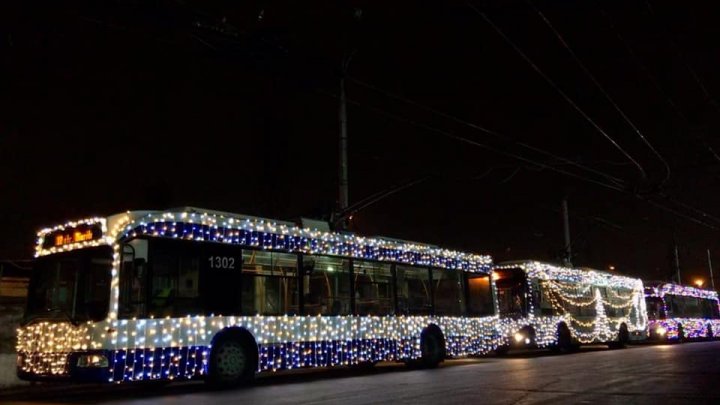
[{"x": 645, "y": 374}]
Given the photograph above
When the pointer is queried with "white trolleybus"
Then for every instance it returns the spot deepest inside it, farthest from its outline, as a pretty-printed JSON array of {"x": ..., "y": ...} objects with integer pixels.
[
  {"x": 191, "y": 293},
  {"x": 679, "y": 312},
  {"x": 547, "y": 306}
]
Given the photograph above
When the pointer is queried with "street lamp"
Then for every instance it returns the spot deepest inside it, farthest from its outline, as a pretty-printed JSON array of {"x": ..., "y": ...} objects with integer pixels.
[{"x": 699, "y": 282}]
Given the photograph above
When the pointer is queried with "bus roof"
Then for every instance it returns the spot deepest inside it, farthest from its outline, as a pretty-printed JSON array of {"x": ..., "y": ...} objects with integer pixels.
[
  {"x": 193, "y": 223},
  {"x": 549, "y": 271},
  {"x": 662, "y": 288}
]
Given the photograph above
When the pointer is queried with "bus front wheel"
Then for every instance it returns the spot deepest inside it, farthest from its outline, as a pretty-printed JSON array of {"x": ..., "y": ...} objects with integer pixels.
[{"x": 231, "y": 363}]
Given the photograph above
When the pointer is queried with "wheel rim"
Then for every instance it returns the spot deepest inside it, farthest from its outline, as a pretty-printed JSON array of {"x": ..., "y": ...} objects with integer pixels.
[{"x": 230, "y": 361}]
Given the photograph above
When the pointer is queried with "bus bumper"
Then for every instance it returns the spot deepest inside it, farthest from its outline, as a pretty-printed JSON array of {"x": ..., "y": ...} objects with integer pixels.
[{"x": 88, "y": 366}]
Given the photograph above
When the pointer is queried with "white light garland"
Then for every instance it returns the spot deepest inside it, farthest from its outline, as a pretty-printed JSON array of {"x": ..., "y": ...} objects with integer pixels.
[
  {"x": 171, "y": 348},
  {"x": 569, "y": 290}
]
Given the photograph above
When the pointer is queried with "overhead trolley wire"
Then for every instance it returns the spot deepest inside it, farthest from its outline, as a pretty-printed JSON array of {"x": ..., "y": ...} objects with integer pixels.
[
  {"x": 615, "y": 180},
  {"x": 592, "y": 77},
  {"x": 557, "y": 88}
]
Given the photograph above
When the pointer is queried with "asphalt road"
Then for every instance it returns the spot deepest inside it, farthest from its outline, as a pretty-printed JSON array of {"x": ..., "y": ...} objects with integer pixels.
[{"x": 657, "y": 374}]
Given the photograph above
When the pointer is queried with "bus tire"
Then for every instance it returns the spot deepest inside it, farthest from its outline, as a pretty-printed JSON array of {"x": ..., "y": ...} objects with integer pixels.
[
  {"x": 623, "y": 338},
  {"x": 680, "y": 333},
  {"x": 432, "y": 347},
  {"x": 502, "y": 350},
  {"x": 233, "y": 359},
  {"x": 364, "y": 365},
  {"x": 564, "y": 342}
]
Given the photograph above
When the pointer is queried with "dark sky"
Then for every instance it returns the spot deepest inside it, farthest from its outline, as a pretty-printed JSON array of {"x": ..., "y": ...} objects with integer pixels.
[{"x": 117, "y": 105}]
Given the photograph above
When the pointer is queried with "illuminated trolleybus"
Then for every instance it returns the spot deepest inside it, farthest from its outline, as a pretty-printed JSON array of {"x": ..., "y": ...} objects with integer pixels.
[
  {"x": 188, "y": 293},
  {"x": 546, "y": 306},
  {"x": 678, "y": 312}
]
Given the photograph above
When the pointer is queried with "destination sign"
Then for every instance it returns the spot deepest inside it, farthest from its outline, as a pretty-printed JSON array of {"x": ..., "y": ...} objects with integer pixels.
[{"x": 76, "y": 234}]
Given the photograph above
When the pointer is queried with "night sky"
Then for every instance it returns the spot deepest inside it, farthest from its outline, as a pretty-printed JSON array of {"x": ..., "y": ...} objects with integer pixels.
[{"x": 118, "y": 105}]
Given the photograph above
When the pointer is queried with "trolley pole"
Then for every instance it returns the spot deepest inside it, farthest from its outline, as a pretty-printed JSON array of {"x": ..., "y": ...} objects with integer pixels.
[
  {"x": 677, "y": 260},
  {"x": 712, "y": 280}
]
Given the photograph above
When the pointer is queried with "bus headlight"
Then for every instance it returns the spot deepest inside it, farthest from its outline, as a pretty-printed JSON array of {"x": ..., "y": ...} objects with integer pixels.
[
  {"x": 92, "y": 360},
  {"x": 519, "y": 337},
  {"x": 661, "y": 331}
]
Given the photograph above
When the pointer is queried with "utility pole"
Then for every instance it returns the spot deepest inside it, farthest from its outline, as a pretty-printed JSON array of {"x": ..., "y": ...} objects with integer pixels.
[
  {"x": 343, "y": 182},
  {"x": 566, "y": 231},
  {"x": 712, "y": 280},
  {"x": 343, "y": 198}
]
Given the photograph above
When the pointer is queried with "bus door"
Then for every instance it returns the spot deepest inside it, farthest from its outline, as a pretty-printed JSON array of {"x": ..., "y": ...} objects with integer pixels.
[{"x": 512, "y": 291}]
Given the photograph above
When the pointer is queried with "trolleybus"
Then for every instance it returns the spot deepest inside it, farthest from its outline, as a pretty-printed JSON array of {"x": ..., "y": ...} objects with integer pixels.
[
  {"x": 677, "y": 312},
  {"x": 192, "y": 293},
  {"x": 547, "y": 306}
]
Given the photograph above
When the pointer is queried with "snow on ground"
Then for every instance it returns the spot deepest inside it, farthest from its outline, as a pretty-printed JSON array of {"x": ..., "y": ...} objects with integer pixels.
[{"x": 7, "y": 371}]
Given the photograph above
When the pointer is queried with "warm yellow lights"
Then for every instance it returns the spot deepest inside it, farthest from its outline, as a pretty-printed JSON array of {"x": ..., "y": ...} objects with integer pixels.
[{"x": 699, "y": 282}]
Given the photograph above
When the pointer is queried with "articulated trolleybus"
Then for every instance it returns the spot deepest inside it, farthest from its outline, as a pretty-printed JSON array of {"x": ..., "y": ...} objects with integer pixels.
[
  {"x": 546, "y": 306},
  {"x": 679, "y": 312},
  {"x": 190, "y": 293}
]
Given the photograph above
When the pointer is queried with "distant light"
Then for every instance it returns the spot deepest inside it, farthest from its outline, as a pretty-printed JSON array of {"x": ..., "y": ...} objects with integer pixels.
[
  {"x": 611, "y": 267},
  {"x": 699, "y": 282}
]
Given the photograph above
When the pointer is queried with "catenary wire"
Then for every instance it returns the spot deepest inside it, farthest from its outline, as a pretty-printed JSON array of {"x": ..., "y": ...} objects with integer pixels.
[
  {"x": 557, "y": 88},
  {"x": 592, "y": 77}
]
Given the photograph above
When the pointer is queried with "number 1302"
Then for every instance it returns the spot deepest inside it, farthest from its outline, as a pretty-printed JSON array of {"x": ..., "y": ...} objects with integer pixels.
[{"x": 221, "y": 262}]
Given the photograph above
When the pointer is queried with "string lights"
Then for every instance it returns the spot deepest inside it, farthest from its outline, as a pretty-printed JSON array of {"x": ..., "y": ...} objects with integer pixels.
[
  {"x": 571, "y": 293},
  {"x": 669, "y": 322},
  {"x": 179, "y": 348}
]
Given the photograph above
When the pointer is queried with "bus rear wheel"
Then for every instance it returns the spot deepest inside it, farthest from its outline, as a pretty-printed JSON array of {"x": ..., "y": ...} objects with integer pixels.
[
  {"x": 432, "y": 345},
  {"x": 231, "y": 363}
]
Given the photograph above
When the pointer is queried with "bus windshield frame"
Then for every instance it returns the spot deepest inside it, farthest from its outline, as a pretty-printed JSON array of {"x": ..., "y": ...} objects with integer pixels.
[{"x": 70, "y": 286}]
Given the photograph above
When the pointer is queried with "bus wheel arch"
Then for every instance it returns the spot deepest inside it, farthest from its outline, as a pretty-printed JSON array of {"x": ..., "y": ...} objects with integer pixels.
[
  {"x": 432, "y": 346},
  {"x": 233, "y": 358}
]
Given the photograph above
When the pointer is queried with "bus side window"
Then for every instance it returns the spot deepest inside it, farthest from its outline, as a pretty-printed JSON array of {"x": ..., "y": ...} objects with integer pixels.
[
  {"x": 448, "y": 290},
  {"x": 269, "y": 283},
  {"x": 327, "y": 287},
  {"x": 133, "y": 280},
  {"x": 480, "y": 297},
  {"x": 413, "y": 290},
  {"x": 373, "y": 288}
]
